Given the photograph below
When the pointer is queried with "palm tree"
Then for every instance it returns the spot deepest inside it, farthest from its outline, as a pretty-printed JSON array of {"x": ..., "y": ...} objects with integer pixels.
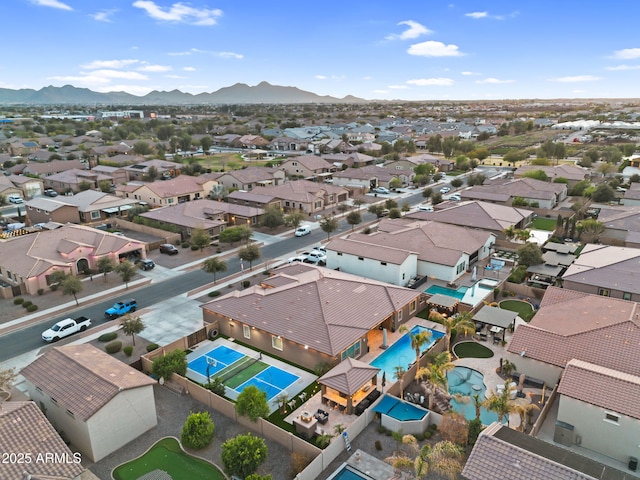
[
  {"x": 131, "y": 325},
  {"x": 524, "y": 411},
  {"x": 418, "y": 341},
  {"x": 477, "y": 403},
  {"x": 460, "y": 321},
  {"x": 509, "y": 232},
  {"x": 501, "y": 403},
  {"x": 399, "y": 373},
  {"x": 214, "y": 265}
]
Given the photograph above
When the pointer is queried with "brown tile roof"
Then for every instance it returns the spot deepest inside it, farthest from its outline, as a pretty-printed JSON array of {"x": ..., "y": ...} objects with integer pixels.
[
  {"x": 55, "y": 166},
  {"x": 311, "y": 162},
  {"x": 348, "y": 376},
  {"x": 602, "y": 387},
  {"x": 252, "y": 174},
  {"x": 201, "y": 213},
  {"x": 302, "y": 191},
  {"x": 325, "y": 309},
  {"x": 383, "y": 253},
  {"x": 253, "y": 197},
  {"x": 520, "y": 187},
  {"x": 575, "y": 325},
  {"x": 91, "y": 379},
  {"x": 570, "y": 172},
  {"x": 25, "y": 430}
]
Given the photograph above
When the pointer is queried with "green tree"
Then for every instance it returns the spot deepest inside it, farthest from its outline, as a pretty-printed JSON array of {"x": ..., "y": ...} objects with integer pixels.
[
  {"x": 214, "y": 265},
  {"x": 127, "y": 271},
  {"x": 390, "y": 203},
  {"x": 273, "y": 217},
  {"x": 71, "y": 285},
  {"x": 200, "y": 238},
  {"x": 395, "y": 183},
  {"x": 499, "y": 401},
  {"x": 252, "y": 403},
  {"x": 236, "y": 234},
  {"x": 436, "y": 198},
  {"x": 166, "y": 365},
  {"x": 358, "y": 202},
  {"x": 105, "y": 265},
  {"x": 536, "y": 175},
  {"x": 354, "y": 218},
  {"x": 448, "y": 146},
  {"x": 131, "y": 325},
  {"x": 197, "y": 431},
  {"x": 405, "y": 207},
  {"x": 603, "y": 194},
  {"x": 592, "y": 228},
  {"x": 84, "y": 185},
  {"x": 250, "y": 253},
  {"x": 105, "y": 186},
  {"x": 294, "y": 218},
  {"x": 328, "y": 225},
  {"x": 427, "y": 192},
  {"x": 395, "y": 213},
  {"x": 530, "y": 254},
  {"x": 142, "y": 148},
  {"x": 376, "y": 210},
  {"x": 456, "y": 182},
  {"x": 255, "y": 476},
  {"x": 462, "y": 322},
  {"x": 243, "y": 454},
  {"x": 152, "y": 173},
  {"x": 206, "y": 142}
]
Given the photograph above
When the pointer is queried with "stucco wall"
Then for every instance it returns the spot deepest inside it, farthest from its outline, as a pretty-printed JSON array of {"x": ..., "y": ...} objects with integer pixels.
[{"x": 370, "y": 268}]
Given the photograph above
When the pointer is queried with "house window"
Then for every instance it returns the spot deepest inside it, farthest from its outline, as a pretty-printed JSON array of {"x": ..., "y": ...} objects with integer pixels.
[
  {"x": 626, "y": 296},
  {"x": 331, "y": 198},
  {"x": 612, "y": 417},
  {"x": 70, "y": 413},
  {"x": 399, "y": 315},
  {"x": 383, "y": 263},
  {"x": 95, "y": 215},
  {"x": 339, "y": 254},
  {"x": 604, "y": 292},
  {"x": 170, "y": 200},
  {"x": 276, "y": 342},
  {"x": 360, "y": 258},
  {"x": 246, "y": 331},
  {"x": 461, "y": 267},
  {"x": 286, "y": 204},
  {"x": 353, "y": 351},
  {"x": 317, "y": 204},
  {"x": 412, "y": 306}
]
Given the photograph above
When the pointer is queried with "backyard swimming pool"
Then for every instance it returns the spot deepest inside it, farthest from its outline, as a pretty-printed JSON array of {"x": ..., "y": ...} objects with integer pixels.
[
  {"x": 401, "y": 353},
  {"x": 437, "y": 289},
  {"x": 472, "y": 295},
  {"x": 396, "y": 408},
  {"x": 466, "y": 381},
  {"x": 349, "y": 473}
]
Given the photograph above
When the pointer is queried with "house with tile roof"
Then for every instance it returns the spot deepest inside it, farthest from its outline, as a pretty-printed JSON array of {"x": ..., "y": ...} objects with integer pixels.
[
  {"x": 366, "y": 178},
  {"x": 400, "y": 251},
  {"x": 51, "y": 168},
  {"x": 100, "y": 403},
  {"x": 622, "y": 226},
  {"x": 355, "y": 159},
  {"x": 306, "y": 196},
  {"x": 310, "y": 315},
  {"x": 7, "y": 187},
  {"x": 572, "y": 173},
  {"x": 75, "y": 180},
  {"x": 168, "y": 192},
  {"x": 27, "y": 261},
  {"x": 247, "y": 178},
  {"x": 490, "y": 217},
  {"x": 632, "y": 196},
  {"x": 535, "y": 192},
  {"x": 252, "y": 199},
  {"x": 307, "y": 166},
  {"x": 25, "y": 430},
  {"x": 605, "y": 270},
  {"x": 139, "y": 171}
]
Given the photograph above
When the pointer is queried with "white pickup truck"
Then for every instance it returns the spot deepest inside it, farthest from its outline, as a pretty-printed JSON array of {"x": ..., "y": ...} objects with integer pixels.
[{"x": 66, "y": 327}]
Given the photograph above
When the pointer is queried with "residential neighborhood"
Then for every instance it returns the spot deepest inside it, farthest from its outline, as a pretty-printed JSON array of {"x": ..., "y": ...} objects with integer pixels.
[{"x": 348, "y": 294}]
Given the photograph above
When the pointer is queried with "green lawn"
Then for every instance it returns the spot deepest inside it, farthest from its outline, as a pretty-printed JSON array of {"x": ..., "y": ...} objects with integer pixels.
[
  {"x": 471, "y": 350},
  {"x": 167, "y": 455},
  {"x": 524, "y": 309},
  {"x": 540, "y": 223}
]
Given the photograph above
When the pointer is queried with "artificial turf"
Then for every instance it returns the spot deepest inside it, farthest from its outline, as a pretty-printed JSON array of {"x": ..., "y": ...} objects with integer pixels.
[
  {"x": 244, "y": 375},
  {"x": 524, "y": 309},
  {"x": 472, "y": 350}
]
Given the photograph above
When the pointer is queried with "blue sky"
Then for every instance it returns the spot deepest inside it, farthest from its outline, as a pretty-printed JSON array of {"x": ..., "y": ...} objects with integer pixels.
[{"x": 408, "y": 50}]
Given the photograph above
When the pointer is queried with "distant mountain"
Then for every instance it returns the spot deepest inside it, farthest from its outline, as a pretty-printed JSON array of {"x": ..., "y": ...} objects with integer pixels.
[{"x": 238, "y": 93}]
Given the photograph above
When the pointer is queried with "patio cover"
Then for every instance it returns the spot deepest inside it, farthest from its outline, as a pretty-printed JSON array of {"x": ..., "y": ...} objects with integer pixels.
[
  {"x": 348, "y": 376},
  {"x": 121, "y": 208},
  {"x": 548, "y": 270},
  {"x": 495, "y": 316},
  {"x": 443, "y": 300}
]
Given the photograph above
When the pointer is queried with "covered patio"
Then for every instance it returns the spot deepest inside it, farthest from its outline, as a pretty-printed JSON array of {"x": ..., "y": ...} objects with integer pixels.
[
  {"x": 444, "y": 304},
  {"x": 350, "y": 385},
  {"x": 497, "y": 321}
]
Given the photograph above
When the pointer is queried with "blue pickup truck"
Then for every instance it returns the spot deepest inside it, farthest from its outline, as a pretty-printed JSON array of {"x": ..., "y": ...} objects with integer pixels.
[{"x": 121, "y": 308}]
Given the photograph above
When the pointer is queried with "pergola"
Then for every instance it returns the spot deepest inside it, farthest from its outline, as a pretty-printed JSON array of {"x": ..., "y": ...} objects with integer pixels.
[
  {"x": 498, "y": 318},
  {"x": 444, "y": 302},
  {"x": 348, "y": 384}
]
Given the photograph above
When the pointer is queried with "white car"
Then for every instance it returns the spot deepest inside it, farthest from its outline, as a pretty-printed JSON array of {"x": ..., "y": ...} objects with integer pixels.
[
  {"x": 316, "y": 256},
  {"x": 455, "y": 197},
  {"x": 303, "y": 230},
  {"x": 382, "y": 190},
  {"x": 425, "y": 208},
  {"x": 298, "y": 258},
  {"x": 15, "y": 199},
  {"x": 445, "y": 190}
]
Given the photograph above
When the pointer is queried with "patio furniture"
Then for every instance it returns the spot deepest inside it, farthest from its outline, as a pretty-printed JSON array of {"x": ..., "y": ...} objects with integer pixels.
[
  {"x": 322, "y": 416},
  {"x": 496, "y": 339},
  {"x": 483, "y": 336}
]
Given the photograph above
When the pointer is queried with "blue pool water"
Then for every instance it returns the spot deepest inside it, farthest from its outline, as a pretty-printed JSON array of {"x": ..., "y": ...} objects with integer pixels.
[
  {"x": 349, "y": 473},
  {"x": 437, "y": 289},
  {"x": 467, "y": 381},
  {"x": 396, "y": 408},
  {"x": 401, "y": 353}
]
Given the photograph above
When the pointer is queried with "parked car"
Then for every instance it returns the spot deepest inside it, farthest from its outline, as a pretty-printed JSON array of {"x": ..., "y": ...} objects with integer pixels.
[
  {"x": 66, "y": 327},
  {"x": 15, "y": 199},
  {"x": 303, "y": 230},
  {"x": 445, "y": 190},
  {"x": 382, "y": 190},
  {"x": 121, "y": 308},
  {"x": 316, "y": 256},
  {"x": 50, "y": 192},
  {"x": 298, "y": 258},
  {"x": 145, "y": 263},
  {"x": 425, "y": 208},
  {"x": 168, "y": 249},
  {"x": 321, "y": 248}
]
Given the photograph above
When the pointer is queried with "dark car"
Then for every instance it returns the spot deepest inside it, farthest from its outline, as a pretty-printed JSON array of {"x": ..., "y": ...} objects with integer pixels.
[
  {"x": 168, "y": 249},
  {"x": 145, "y": 263},
  {"x": 50, "y": 192}
]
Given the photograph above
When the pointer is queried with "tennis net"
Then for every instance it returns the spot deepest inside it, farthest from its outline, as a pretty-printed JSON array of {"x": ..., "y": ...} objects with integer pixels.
[{"x": 235, "y": 368}]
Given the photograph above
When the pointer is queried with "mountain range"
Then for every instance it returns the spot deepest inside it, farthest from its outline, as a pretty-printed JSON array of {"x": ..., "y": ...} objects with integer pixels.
[{"x": 239, "y": 93}]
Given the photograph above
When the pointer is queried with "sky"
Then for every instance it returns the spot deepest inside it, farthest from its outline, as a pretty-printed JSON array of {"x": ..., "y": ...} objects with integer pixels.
[{"x": 386, "y": 50}]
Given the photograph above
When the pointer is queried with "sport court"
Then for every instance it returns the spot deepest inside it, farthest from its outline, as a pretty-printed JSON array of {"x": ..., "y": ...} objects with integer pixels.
[{"x": 240, "y": 367}]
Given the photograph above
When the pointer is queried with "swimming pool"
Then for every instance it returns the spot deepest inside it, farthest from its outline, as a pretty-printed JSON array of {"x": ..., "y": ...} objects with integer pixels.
[
  {"x": 401, "y": 353},
  {"x": 437, "y": 289},
  {"x": 396, "y": 408},
  {"x": 466, "y": 381},
  {"x": 349, "y": 473}
]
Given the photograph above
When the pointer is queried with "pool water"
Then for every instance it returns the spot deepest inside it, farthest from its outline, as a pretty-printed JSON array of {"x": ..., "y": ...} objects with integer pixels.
[
  {"x": 467, "y": 381},
  {"x": 349, "y": 473},
  {"x": 401, "y": 353},
  {"x": 437, "y": 289},
  {"x": 396, "y": 408}
]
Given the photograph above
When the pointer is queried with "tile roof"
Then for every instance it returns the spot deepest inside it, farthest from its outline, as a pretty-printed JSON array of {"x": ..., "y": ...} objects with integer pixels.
[
  {"x": 383, "y": 253},
  {"x": 325, "y": 309},
  {"x": 310, "y": 162},
  {"x": 91, "y": 379},
  {"x": 201, "y": 213},
  {"x": 25, "y": 429},
  {"x": 180, "y": 185},
  {"x": 302, "y": 191},
  {"x": 603, "y": 387},
  {"x": 520, "y": 187},
  {"x": 349, "y": 376},
  {"x": 265, "y": 197},
  {"x": 570, "y": 172},
  {"x": 576, "y": 325},
  {"x": 252, "y": 174},
  {"x": 54, "y": 166}
]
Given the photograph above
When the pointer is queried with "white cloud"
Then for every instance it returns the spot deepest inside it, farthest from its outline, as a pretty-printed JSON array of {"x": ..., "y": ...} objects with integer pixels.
[
  {"x": 470, "y": 73},
  {"x": 618, "y": 68},
  {"x": 381, "y": 91},
  {"x": 415, "y": 30},
  {"x": 434, "y": 49},
  {"x": 189, "y": 69},
  {"x": 179, "y": 77},
  {"x": 428, "y": 82},
  {"x": 575, "y": 78},
  {"x": 80, "y": 79},
  {"x": 398, "y": 87},
  {"x": 320, "y": 77},
  {"x": 119, "y": 74},
  {"x": 367, "y": 78},
  {"x": 103, "y": 15},
  {"x": 109, "y": 64},
  {"x": 493, "y": 81},
  {"x": 238, "y": 56},
  {"x": 179, "y": 13},
  {"x": 52, "y": 4},
  {"x": 477, "y": 14},
  {"x": 627, "y": 53},
  {"x": 155, "y": 68}
]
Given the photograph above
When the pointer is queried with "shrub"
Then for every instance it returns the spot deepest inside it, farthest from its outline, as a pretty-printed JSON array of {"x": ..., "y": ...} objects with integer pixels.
[
  {"x": 388, "y": 433},
  {"x": 433, "y": 427},
  {"x": 215, "y": 293},
  {"x": 475, "y": 427},
  {"x": 378, "y": 445},
  {"x": 18, "y": 301},
  {"x": 32, "y": 308},
  {"x": 41, "y": 291},
  {"x": 172, "y": 362},
  {"x": 381, "y": 429},
  {"x": 323, "y": 441},
  {"x": 197, "y": 431},
  {"x": 152, "y": 346},
  {"x": 185, "y": 245},
  {"x": 128, "y": 350},
  {"x": 54, "y": 287},
  {"x": 27, "y": 303},
  {"x": 428, "y": 434},
  {"x": 367, "y": 231},
  {"x": 107, "y": 337},
  {"x": 113, "y": 347},
  {"x": 194, "y": 248},
  {"x": 246, "y": 283},
  {"x": 216, "y": 386},
  {"x": 419, "y": 436}
]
